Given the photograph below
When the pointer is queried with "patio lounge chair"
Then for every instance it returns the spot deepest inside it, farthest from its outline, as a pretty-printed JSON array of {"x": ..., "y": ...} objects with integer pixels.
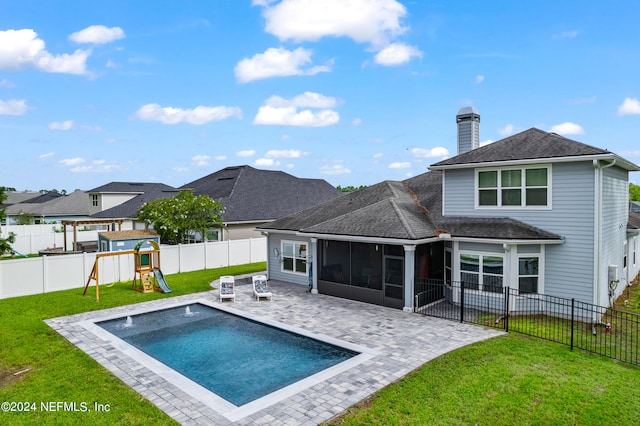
[
  {"x": 227, "y": 288},
  {"x": 261, "y": 288}
]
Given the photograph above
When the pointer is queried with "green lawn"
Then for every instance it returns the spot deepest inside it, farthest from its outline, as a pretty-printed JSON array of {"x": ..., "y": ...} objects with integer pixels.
[
  {"x": 50, "y": 369},
  {"x": 510, "y": 380}
]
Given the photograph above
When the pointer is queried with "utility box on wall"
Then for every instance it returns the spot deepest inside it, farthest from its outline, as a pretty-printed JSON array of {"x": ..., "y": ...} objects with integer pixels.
[{"x": 613, "y": 273}]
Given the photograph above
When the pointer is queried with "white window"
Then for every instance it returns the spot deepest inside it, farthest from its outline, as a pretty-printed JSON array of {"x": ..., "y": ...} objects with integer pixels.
[
  {"x": 482, "y": 272},
  {"x": 514, "y": 187},
  {"x": 94, "y": 200},
  {"x": 528, "y": 274},
  {"x": 624, "y": 255},
  {"x": 294, "y": 257}
]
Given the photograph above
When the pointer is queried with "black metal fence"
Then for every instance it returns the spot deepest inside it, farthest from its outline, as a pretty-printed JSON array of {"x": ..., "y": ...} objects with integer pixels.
[{"x": 605, "y": 331}]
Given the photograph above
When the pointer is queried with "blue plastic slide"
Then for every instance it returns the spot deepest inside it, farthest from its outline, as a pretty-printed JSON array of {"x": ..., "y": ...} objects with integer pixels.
[{"x": 162, "y": 283}]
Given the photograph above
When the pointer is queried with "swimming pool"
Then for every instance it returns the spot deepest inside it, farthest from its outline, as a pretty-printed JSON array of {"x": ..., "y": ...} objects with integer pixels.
[
  {"x": 233, "y": 402},
  {"x": 237, "y": 358}
]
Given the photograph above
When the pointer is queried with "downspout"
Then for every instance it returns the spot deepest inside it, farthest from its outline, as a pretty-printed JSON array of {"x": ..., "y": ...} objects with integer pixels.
[{"x": 597, "y": 232}]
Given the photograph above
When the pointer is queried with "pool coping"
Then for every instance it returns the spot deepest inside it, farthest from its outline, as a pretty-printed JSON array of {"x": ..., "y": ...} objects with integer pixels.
[
  {"x": 227, "y": 409},
  {"x": 399, "y": 343}
]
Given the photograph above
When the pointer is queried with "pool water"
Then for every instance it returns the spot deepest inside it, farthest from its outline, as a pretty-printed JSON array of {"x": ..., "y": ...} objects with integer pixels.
[{"x": 236, "y": 358}]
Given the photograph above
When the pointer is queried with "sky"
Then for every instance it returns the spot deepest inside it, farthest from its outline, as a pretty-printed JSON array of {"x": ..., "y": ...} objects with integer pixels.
[{"x": 351, "y": 91}]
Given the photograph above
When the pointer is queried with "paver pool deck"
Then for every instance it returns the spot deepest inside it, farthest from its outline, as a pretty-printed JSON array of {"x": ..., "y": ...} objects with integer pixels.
[{"x": 400, "y": 342}]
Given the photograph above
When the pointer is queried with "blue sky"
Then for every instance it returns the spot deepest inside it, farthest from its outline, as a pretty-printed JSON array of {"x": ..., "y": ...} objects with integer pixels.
[{"x": 354, "y": 92}]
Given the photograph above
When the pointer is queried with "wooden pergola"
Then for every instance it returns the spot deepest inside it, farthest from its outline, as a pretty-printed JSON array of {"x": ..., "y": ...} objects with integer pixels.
[{"x": 75, "y": 224}]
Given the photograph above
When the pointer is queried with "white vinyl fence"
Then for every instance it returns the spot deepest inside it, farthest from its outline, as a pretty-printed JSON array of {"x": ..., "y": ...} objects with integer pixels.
[
  {"x": 33, "y": 238},
  {"x": 21, "y": 277}
]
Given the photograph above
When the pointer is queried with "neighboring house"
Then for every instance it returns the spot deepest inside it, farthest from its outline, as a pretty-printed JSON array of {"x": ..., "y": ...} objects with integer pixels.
[
  {"x": 252, "y": 197},
  {"x": 51, "y": 207},
  {"x": 128, "y": 210},
  {"x": 115, "y": 193},
  {"x": 535, "y": 212},
  {"x": 121, "y": 200}
]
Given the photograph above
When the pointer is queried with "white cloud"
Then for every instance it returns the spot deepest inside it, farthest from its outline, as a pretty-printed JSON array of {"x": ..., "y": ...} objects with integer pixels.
[
  {"x": 567, "y": 128},
  {"x": 220, "y": 157},
  {"x": 334, "y": 170},
  {"x": 479, "y": 78},
  {"x": 96, "y": 166},
  {"x": 180, "y": 169},
  {"x": 307, "y": 99},
  {"x": 200, "y": 160},
  {"x": 635, "y": 153},
  {"x": 47, "y": 155},
  {"x": 487, "y": 142},
  {"x": 13, "y": 107},
  {"x": 266, "y": 162},
  {"x": 61, "y": 125},
  {"x": 397, "y": 54},
  {"x": 400, "y": 165},
  {"x": 284, "y": 153},
  {"x": 198, "y": 115},
  {"x": 268, "y": 115},
  {"x": 278, "y": 62},
  {"x": 507, "y": 130},
  {"x": 378, "y": 155},
  {"x": 246, "y": 153},
  {"x": 630, "y": 106},
  {"x": 97, "y": 34},
  {"x": 430, "y": 153},
  {"x": 278, "y": 111},
  {"x": 72, "y": 161},
  {"x": 6, "y": 83},
  {"x": 356, "y": 122},
  {"x": 365, "y": 21},
  {"x": 21, "y": 49}
]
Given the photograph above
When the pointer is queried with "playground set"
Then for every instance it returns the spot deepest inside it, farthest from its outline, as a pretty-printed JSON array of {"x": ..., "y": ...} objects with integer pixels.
[{"x": 147, "y": 276}]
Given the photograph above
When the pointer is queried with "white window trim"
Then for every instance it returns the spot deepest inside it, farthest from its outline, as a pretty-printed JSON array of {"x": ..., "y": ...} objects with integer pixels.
[
  {"x": 523, "y": 186},
  {"x": 295, "y": 257},
  {"x": 480, "y": 254}
]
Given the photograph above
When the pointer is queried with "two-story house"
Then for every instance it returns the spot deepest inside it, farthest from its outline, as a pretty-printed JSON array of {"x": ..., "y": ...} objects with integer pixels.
[{"x": 535, "y": 212}]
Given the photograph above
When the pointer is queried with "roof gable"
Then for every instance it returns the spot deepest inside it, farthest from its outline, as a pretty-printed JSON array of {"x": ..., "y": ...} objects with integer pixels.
[{"x": 528, "y": 145}]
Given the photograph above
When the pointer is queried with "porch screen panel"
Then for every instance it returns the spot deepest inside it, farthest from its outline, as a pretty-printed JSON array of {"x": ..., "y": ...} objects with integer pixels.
[{"x": 336, "y": 262}]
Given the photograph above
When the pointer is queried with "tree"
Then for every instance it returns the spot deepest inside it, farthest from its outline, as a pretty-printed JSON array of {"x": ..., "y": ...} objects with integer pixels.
[
  {"x": 175, "y": 219},
  {"x": 24, "y": 219},
  {"x": 5, "y": 243},
  {"x": 634, "y": 192},
  {"x": 350, "y": 188}
]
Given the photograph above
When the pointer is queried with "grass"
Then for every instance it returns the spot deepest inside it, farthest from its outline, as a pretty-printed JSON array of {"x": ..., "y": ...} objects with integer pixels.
[
  {"x": 510, "y": 380},
  {"x": 515, "y": 380},
  {"x": 38, "y": 365}
]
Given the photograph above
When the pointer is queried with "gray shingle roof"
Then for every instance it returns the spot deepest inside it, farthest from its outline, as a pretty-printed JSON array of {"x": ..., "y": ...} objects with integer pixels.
[
  {"x": 409, "y": 210},
  {"x": 249, "y": 194},
  {"x": 130, "y": 187},
  {"x": 129, "y": 209},
  {"x": 74, "y": 204},
  {"x": 530, "y": 144}
]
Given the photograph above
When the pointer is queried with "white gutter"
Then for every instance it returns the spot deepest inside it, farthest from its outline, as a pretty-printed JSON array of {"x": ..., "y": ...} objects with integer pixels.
[{"x": 623, "y": 163}]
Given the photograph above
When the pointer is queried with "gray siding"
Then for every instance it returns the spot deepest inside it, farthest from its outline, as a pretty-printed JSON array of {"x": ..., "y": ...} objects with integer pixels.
[
  {"x": 481, "y": 247},
  {"x": 274, "y": 265},
  {"x": 615, "y": 214},
  {"x": 568, "y": 267}
]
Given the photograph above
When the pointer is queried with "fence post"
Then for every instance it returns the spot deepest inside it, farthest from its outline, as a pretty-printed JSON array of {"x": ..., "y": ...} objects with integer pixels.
[
  {"x": 572, "y": 320},
  {"x": 461, "y": 301},
  {"x": 506, "y": 310}
]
